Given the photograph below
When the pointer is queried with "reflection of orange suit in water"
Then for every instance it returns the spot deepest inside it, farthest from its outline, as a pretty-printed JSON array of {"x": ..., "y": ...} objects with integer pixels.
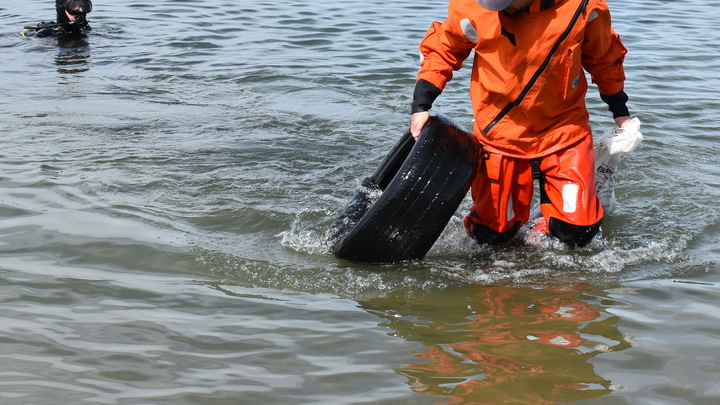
[
  {"x": 528, "y": 91},
  {"x": 520, "y": 345}
]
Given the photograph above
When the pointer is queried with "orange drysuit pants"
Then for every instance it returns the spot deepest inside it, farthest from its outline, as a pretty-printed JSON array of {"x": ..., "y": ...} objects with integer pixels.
[{"x": 502, "y": 194}]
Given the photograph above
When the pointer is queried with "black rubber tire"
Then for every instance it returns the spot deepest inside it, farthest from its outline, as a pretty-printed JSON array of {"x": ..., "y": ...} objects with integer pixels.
[{"x": 422, "y": 183}]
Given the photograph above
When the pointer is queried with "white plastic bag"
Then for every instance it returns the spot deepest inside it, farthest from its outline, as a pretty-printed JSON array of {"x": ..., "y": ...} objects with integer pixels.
[{"x": 608, "y": 151}]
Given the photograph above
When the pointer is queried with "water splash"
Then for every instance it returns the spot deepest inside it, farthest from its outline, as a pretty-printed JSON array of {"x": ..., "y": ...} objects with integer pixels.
[{"x": 529, "y": 258}]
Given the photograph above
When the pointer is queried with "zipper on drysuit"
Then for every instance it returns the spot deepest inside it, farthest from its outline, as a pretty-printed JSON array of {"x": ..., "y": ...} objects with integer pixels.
[{"x": 540, "y": 70}]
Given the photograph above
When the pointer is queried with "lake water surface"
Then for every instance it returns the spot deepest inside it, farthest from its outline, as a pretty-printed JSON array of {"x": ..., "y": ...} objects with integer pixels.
[{"x": 167, "y": 187}]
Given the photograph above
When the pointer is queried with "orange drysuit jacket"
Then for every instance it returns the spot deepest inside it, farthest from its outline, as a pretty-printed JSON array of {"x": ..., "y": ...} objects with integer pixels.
[{"x": 528, "y": 86}]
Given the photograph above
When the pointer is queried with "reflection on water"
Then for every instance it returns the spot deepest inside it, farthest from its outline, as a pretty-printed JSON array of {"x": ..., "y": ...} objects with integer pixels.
[
  {"x": 505, "y": 344},
  {"x": 73, "y": 55}
]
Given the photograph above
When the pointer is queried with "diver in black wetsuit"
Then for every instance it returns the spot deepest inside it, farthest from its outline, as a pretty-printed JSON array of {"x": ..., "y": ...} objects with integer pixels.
[{"x": 71, "y": 21}]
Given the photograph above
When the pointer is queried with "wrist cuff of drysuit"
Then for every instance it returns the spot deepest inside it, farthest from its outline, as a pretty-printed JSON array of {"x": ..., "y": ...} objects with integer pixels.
[
  {"x": 617, "y": 104},
  {"x": 424, "y": 95}
]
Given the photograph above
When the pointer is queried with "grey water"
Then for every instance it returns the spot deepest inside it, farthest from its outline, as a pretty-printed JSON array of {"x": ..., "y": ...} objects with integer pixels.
[{"x": 167, "y": 186}]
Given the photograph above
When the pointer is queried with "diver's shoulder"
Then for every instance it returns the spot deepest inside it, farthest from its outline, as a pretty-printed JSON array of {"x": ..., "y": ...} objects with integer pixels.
[
  {"x": 42, "y": 29},
  {"x": 52, "y": 29}
]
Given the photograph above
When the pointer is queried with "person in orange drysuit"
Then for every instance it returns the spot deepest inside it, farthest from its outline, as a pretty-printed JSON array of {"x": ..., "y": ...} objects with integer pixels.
[{"x": 528, "y": 90}]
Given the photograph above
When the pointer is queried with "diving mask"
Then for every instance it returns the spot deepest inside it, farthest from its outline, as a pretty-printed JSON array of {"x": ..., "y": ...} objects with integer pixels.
[{"x": 76, "y": 7}]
